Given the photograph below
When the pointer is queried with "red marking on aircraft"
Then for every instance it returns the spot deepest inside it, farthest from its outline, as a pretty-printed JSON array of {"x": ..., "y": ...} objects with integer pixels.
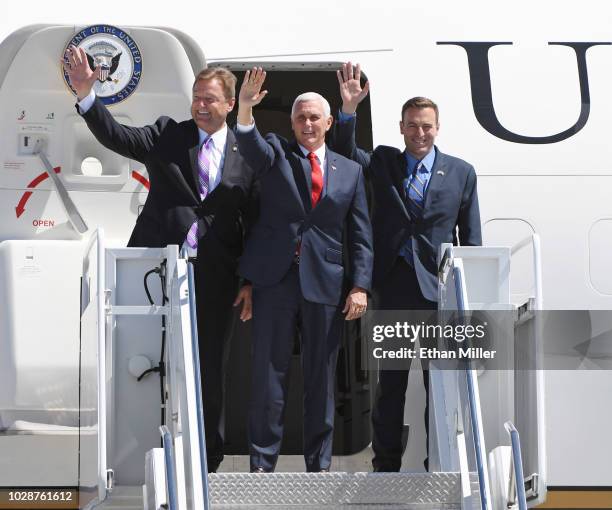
[
  {"x": 42, "y": 177},
  {"x": 141, "y": 179},
  {"x": 19, "y": 210},
  {"x": 21, "y": 205}
]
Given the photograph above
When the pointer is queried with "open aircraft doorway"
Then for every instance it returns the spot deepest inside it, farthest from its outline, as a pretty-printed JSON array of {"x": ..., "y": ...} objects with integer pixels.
[{"x": 354, "y": 386}]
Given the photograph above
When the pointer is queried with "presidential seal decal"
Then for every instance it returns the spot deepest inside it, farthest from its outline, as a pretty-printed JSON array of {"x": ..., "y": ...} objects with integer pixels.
[{"x": 118, "y": 56}]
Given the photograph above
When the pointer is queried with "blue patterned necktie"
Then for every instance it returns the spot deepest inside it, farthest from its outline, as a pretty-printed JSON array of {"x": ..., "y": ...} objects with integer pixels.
[
  {"x": 415, "y": 201},
  {"x": 204, "y": 158},
  {"x": 415, "y": 191}
]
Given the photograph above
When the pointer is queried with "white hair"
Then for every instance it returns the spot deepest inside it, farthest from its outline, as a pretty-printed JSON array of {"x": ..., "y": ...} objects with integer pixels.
[{"x": 312, "y": 96}]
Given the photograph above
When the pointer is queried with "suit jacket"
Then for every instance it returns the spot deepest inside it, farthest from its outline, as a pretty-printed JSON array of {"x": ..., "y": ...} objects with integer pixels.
[
  {"x": 451, "y": 203},
  {"x": 169, "y": 150},
  {"x": 286, "y": 216}
]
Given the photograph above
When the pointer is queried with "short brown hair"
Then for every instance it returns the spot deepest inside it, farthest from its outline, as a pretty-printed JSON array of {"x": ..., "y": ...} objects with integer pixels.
[
  {"x": 225, "y": 76},
  {"x": 420, "y": 103}
]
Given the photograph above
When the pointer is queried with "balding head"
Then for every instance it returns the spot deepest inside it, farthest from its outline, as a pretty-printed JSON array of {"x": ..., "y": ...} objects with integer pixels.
[{"x": 312, "y": 96}]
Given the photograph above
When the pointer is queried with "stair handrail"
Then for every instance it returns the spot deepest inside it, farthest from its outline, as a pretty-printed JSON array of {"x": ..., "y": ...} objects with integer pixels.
[
  {"x": 169, "y": 467},
  {"x": 449, "y": 262},
  {"x": 198, "y": 383},
  {"x": 516, "y": 492},
  {"x": 96, "y": 241},
  {"x": 538, "y": 304}
]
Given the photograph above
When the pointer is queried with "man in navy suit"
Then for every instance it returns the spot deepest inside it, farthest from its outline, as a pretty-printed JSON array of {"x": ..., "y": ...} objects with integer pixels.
[
  {"x": 421, "y": 198},
  {"x": 311, "y": 199}
]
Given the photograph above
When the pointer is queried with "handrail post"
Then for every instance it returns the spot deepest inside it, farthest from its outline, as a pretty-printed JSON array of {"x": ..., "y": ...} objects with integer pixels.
[
  {"x": 472, "y": 388},
  {"x": 198, "y": 382},
  {"x": 517, "y": 462},
  {"x": 170, "y": 468}
]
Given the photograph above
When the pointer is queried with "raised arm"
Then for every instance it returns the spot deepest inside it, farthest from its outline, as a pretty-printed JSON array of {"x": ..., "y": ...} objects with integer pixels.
[
  {"x": 257, "y": 152},
  {"x": 352, "y": 93},
  {"x": 131, "y": 142}
]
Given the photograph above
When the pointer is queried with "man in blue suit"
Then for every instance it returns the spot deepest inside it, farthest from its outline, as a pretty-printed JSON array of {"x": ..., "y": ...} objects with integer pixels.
[
  {"x": 313, "y": 220},
  {"x": 421, "y": 198}
]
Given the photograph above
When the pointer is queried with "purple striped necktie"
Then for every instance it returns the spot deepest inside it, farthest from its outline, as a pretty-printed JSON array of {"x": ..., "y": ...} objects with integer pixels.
[{"x": 204, "y": 158}]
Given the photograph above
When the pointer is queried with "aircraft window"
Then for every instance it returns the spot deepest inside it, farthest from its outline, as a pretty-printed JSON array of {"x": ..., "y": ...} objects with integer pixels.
[
  {"x": 510, "y": 232},
  {"x": 91, "y": 167}
]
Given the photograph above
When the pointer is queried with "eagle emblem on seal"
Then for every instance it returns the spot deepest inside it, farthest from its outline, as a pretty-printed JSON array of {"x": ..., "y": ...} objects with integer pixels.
[{"x": 116, "y": 54}]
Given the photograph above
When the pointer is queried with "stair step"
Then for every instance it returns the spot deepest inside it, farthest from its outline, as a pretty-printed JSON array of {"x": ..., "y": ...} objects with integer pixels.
[
  {"x": 335, "y": 490},
  {"x": 124, "y": 498},
  {"x": 324, "y": 491}
]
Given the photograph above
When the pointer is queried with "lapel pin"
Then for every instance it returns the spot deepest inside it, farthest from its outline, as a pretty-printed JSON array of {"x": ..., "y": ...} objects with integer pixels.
[
  {"x": 234, "y": 148},
  {"x": 333, "y": 167},
  {"x": 440, "y": 172}
]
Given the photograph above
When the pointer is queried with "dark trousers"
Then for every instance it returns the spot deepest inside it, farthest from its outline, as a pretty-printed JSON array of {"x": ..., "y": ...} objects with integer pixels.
[
  {"x": 277, "y": 311},
  {"x": 399, "y": 291},
  {"x": 216, "y": 286}
]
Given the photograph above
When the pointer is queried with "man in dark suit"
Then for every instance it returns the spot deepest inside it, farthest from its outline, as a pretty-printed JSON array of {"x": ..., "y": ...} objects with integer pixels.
[
  {"x": 200, "y": 197},
  {"x": 311, "y": 198},
  {"x": 421, "y": 197}
]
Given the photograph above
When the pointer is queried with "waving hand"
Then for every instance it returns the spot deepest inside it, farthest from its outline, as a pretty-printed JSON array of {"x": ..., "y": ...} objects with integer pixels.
[
  {"x": 350, "y": 87},
  {"x": 80, "y": 74},
  {"x": 250, "y": 94}
]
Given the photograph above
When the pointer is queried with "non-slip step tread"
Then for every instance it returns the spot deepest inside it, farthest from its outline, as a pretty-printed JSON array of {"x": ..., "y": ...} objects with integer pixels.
[{"x": 308, "y": 489}]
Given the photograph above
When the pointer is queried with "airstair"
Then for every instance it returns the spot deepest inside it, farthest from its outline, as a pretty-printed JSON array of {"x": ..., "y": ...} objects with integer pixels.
[{"x": 139, "y": 450}]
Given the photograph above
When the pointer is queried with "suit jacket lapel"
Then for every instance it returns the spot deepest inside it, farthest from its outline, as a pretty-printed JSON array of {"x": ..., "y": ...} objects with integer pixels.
[
  {"x": 229, "y": 159},
  {"x": 180, "y": 169},
  {"x": 330, "y": 179},
  {"x": 438, "y": 176},
  {"x": 302, "y": 178},
  {"x": 194, "y": 148},
  {"x": 398, "y": 176}
]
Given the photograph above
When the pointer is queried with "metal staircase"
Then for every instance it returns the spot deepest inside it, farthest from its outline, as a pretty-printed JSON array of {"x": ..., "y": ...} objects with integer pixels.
[{"x": 176, "y": 476}]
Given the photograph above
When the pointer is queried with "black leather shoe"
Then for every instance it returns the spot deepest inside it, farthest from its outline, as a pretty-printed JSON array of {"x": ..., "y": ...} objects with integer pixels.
[
  {"x": 324, "y": 470},
  {"x": 258, "y": 470},
  {"x": 384, "y": 469}
]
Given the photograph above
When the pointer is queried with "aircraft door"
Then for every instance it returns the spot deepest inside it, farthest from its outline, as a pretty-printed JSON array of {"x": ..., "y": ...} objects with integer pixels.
[
  {"x": 352, "y": 429},
  {"x": 153, "y": 76}
]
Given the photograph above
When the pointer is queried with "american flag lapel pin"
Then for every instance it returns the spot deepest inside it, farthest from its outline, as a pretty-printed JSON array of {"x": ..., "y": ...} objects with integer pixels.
[{"x": 440, "y": 172}]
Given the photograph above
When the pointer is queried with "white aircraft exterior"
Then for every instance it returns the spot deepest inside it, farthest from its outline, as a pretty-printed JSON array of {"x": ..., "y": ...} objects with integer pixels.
[{"x": 540, "y": 146}]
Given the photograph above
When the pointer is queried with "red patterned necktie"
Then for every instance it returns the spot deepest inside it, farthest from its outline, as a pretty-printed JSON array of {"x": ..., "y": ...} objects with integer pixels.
[{"x": 317, "y": 178}]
